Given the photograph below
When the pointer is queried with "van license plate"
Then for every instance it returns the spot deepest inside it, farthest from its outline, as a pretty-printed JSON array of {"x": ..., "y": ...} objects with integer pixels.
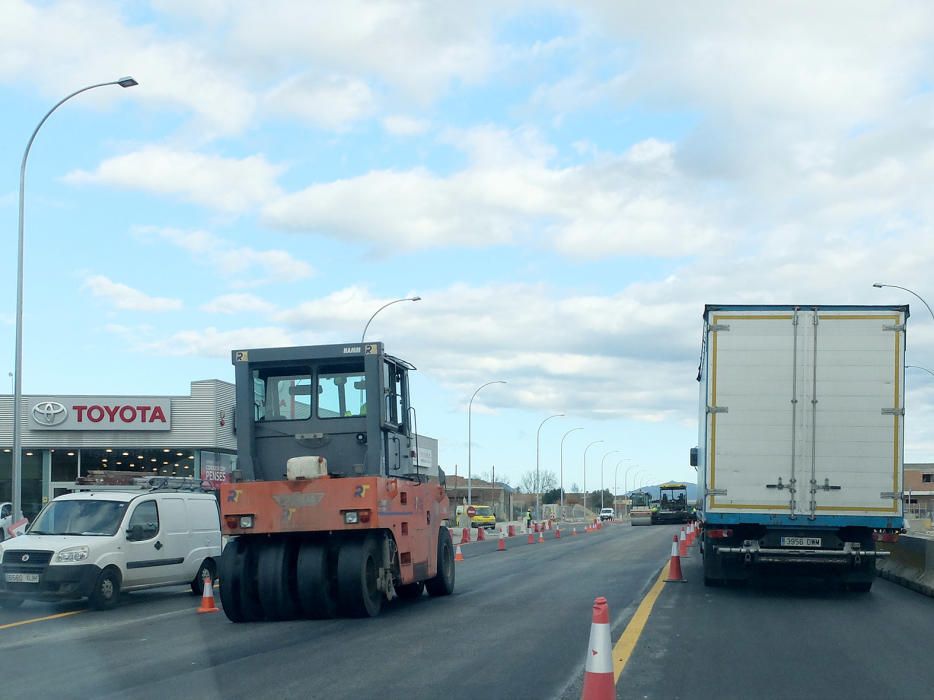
[
  {"x": 801, "y": 541},
  {"x": 22, "y": 578}
]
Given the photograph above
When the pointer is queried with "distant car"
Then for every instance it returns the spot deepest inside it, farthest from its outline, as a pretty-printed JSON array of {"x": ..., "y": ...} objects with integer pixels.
[
  {"x": 483, "y": 517},
  {"x": 607, "y": 514}
]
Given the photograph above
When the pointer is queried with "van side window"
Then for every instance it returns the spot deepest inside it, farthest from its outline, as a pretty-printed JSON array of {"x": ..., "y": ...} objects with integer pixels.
[
  {"x": 6, "y": 511},
  {"x": 144, "y": 523}
]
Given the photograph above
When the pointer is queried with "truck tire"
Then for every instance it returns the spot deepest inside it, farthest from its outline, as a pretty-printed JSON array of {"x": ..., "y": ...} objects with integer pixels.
[
  {"x": 238, "y": 582},
  {"x": 275, "y": 579},
  {"x": 106, "y": 593},
  {"x": 358, "y": 564},
  {"x": 317, "y": 590},
  {"x": 713, "y": 571},
  {"x": 443, "y": 582}
]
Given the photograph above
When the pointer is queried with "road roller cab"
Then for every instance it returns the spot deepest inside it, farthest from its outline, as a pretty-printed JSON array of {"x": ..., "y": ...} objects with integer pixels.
[{"x": 336, "y": 504}]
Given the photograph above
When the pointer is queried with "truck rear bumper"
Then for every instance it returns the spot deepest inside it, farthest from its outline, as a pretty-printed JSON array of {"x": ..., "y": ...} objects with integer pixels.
[{"x": 772, "y": 555}]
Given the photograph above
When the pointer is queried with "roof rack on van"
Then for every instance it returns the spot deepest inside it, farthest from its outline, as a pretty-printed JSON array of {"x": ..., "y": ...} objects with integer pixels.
[
  {"x": 180, "y": 483},
  {"x": 145, "y": 483}
]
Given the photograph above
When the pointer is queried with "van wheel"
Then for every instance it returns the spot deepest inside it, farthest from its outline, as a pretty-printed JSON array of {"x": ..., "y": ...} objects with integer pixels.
[
  {"x": 106, "y": 593},
  {"x": 208, "y": 568},
  {"x": 443, "y": 582}
]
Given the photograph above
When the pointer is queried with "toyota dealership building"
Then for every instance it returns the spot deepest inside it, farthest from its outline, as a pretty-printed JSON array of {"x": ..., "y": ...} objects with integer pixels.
[{"x": 70, "y": 437}]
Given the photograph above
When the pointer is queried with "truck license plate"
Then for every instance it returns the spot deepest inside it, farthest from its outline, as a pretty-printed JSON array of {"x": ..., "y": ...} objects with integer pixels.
[
  {"x": 22, "y": 578},
  {"x": 801, "y": 541}
]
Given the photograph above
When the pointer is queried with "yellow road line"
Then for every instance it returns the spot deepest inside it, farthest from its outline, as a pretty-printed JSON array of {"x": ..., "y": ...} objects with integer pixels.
[
  {"x": 627, "y": 642},
  {"x": 41, "y": 619}
]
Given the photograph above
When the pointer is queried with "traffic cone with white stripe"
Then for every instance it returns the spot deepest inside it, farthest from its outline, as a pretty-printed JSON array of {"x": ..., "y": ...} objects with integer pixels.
[
  {"x": 573, "y": 531},
  {"x": 207, "y": 597},
  {"x": 465, "y": 535},
  {"x": 598, "y": 672},
  {"x": 682, "y": 544},
  {"x": 458, "y": 554},
  {"x": 531, "y": 538},
  {"x": 557, "y": 532},
  {"x": 481, "y": 535},
  {"x": 501, "y": 547},
  {"x": 674, "y": 568},
  {"x": 541, "y": 536}
]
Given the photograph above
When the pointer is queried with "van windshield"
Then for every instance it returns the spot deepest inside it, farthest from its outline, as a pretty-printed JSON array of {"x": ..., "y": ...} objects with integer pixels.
[
  {"x": 484, "y": 510},
  {"x": 92, "y": 518}
]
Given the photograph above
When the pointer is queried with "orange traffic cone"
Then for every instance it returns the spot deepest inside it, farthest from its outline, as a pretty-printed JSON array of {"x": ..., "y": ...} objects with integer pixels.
[
  {"x": 481, "y": 535},
  {"x": 465, "y": 536},
  {"x": 574, "y": 531},
  {"x": 682, "y": 544},
  {"x": 598, "y": 672},
  {"x": 207, "y": 597},
  {"x": 536, "y": 528},
  {"x": 458, "y": 554},
  {"x": 531, "y": 538},
  {"x": 501, "y": 547},
  {"x": 541, "y": 536},
  {"x": 557, "y": 532},
  {"x": 674, "y": 569}
]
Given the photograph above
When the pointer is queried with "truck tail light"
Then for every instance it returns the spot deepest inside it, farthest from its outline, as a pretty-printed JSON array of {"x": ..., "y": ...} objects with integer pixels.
[
  {"x": 719, "y": 534},
  {"x": 243, "y": 522},
  {"x": 885, "y": 536},
  {"x": 353, "y": 517}
]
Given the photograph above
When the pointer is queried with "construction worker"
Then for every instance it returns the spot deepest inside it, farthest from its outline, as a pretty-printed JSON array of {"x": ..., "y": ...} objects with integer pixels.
[{"x": 528, "y": 519}]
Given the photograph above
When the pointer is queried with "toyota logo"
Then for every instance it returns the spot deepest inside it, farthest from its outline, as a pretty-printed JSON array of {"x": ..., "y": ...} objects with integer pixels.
[
  {"x": 49, "y": 413},
  {"x": 25, "y": 557}
]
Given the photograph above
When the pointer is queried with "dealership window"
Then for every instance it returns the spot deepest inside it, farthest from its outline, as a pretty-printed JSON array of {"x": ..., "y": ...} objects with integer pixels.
[
  {"x": 928, "y": 478},
  {"x": 64, "y": 465}
]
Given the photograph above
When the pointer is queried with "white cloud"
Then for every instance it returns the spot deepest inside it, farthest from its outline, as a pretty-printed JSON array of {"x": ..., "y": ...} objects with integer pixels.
[
  {"x": 241, "y": 266},
  {"x": 125, "y": 298},
  {"x": 637, "y": 203},
  {"x": 333, "y": 102},
  {"x": 228, "y": 184},
  {"x": 213, "y": 342},
  {"x": 237, "y": 304},
  {"x": 401, "y": 125}
]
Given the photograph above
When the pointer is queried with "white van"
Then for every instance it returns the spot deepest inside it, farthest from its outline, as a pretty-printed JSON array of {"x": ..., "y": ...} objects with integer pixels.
[{"x": 95, "y": 544}]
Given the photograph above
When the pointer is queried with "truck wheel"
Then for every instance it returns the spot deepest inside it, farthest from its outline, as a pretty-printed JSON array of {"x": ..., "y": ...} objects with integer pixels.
[
  {"x": 443, "y": 582},
  {"x": 358, "y": 563},
  {"x": 317, "y": 592},
  {"x": 238, "y": 582},
  {"x": 106, "y": 593},
  {"x": 208, "y": 568},
  {"x": 278, "y": 593},
  {"x": 411, "y": 591}
]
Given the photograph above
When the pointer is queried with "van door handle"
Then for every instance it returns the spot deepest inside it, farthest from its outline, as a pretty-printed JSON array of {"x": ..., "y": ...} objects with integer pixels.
[{"x": 158, "y": 545}]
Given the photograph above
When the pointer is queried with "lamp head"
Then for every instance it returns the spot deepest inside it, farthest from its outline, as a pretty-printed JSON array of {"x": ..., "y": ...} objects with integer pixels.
[
  {"x": 878, "y": 285},
  {"x": 415, "y": 299},
  {"x": 127, "y": 82}
]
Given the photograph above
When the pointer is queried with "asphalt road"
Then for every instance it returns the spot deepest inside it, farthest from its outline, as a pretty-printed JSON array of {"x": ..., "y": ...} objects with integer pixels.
[{"x": 516, "y": 627}]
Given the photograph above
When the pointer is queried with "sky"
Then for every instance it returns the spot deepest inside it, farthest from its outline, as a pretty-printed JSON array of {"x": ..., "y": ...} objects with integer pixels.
[{"x": 565, "y": 184}]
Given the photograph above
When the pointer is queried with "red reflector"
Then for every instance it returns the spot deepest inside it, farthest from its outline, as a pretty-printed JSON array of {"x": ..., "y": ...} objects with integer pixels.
[
  {"x": 719, "y": 534},
  {"x": 885, "y": 536},
  {"x": 363, "y": 516},
  {"x": 233, "y": 521}
]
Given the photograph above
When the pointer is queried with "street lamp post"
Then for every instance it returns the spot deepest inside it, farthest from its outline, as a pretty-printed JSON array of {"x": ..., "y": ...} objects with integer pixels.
[
  {"x": 616, "y": 481},
  {"x": 470, "y": 435},
  {"x": 595, "y": 442},
  {"x": 626, "y": 476},
  {"x": 363, "y": 337},
  {"x": 538, "y": 482},
  {"x": 561, "y": 487},
  {"x": 879, "y": 285},
  {"x": 602, "y": 463},
  {"x": 18, "y": 361}
]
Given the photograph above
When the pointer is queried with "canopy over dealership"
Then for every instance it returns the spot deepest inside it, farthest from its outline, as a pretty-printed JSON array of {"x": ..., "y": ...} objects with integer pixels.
[{"x": 67, "y": 437}]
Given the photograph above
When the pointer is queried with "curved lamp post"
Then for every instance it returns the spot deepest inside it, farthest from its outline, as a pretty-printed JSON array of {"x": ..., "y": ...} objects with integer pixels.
[
  {"x": 18, "y": 362},
  {"x": 595, "y": 442},
  {"x": 469, "y": 436},
  {"x": 363, "y": 337},
  {"x": 919, "y": 367},
  {"x": 561, "y": 487},
  {"x": 538, "y": 482},
  {"x": 626, "y": 476},
  {"x": 602, "y": 463},
  {"x": 879, "y": 285},
  {"x": 616, "y": 480}
]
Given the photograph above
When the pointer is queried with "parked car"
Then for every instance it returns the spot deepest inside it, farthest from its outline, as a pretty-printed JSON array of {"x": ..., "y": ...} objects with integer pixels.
[
  {"x": 6, "y": 519},
  {"x": 97, "y": 544},
  {"x": 483, "y": 517},
  {"x": 607, "y": 514}
]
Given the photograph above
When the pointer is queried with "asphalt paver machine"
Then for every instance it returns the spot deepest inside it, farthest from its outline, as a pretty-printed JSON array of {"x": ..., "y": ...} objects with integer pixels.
[{"x": 334, "y": 507}]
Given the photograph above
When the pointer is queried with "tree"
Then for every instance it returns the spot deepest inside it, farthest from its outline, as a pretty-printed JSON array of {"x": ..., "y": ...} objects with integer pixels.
[
  {"x": 546, "y": 481},
  {"x": 593, "y": 499},
  {"x": 552, "y": 496}
]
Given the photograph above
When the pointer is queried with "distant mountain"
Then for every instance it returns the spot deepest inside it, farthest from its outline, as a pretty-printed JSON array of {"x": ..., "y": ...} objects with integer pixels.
[{"x": 692, "y": 491}]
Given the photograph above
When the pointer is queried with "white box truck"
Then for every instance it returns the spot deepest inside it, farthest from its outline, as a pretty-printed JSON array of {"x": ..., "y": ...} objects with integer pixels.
[{"x": 800, "y": 446}]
